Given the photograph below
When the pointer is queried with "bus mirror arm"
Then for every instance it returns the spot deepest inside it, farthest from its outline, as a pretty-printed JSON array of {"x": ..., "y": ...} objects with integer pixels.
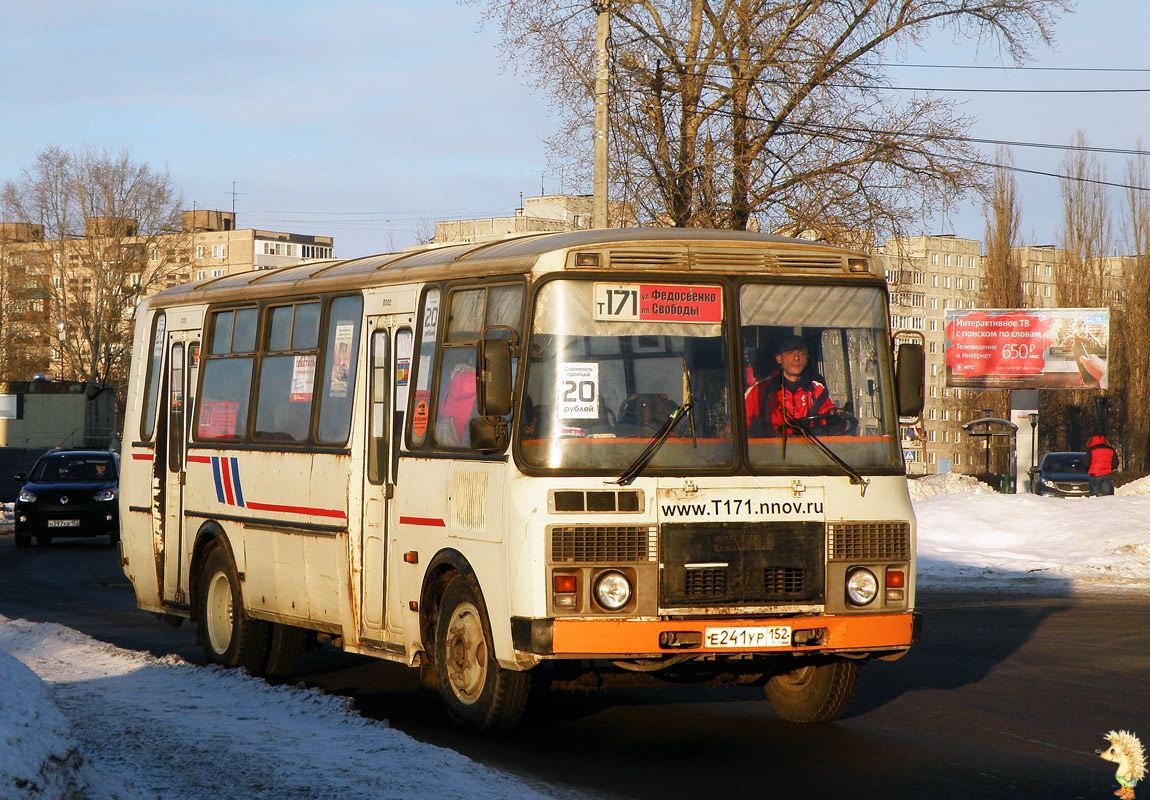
[{"x": 488, "y": 434}]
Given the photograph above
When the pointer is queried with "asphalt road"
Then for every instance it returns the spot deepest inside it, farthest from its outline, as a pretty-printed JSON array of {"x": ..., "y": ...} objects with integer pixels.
[{"x": 1005, "y": 696}]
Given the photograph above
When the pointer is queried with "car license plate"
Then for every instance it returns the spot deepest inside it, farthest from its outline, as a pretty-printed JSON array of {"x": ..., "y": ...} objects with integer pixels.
[
  {"x": 63, "y": 523},
  {"x": 761, "y": 636}
]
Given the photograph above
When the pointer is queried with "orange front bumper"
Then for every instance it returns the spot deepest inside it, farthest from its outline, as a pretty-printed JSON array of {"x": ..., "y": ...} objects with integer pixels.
[{"x": 621, "y": 638}]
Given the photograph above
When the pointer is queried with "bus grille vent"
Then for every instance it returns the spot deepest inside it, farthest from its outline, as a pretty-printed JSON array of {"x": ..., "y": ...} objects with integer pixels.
[
  {"x": 809, "y": 261},
  {"x": 708, "y": 582},
  {"x": 649, "y": 259},
  {"x": 783, "y": 581},
  {"x": 468, "y": 500},
  {"x": 603, "y": 501},
  {"x": 732, "y": 260},
  {"x": 868, "y": 541},
  {"x": 602, "y": 544}
]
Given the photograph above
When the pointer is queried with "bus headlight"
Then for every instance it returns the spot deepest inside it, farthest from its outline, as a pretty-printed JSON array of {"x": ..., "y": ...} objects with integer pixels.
[
  {"x": 862, "y": 586},
  {"x": 613, "y": 590}
]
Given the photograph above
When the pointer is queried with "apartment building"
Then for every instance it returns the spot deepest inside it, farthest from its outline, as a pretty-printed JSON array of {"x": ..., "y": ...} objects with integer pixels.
[
  {"x": 49, "y": 288},
  {"x": 216, "y": 247},
  {"x": 928, "y": 276},
  {"x": 541, "y": 214}
]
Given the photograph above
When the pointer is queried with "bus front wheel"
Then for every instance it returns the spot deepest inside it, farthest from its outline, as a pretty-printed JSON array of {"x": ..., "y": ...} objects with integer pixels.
[
  {"x": 227, "y": 635},
  {"x": 814, "y": 692},
  {"x": 477, "y": 693}
]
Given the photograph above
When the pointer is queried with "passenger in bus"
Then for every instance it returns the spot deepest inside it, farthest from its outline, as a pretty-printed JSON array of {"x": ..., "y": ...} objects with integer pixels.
[
  {"x": 457, "y": 406},
  {"x": 791, "y": 388}
]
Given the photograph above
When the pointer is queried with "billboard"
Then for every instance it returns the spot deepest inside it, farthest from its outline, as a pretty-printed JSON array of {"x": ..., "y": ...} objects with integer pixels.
[{"x": 1027, "y": 348}]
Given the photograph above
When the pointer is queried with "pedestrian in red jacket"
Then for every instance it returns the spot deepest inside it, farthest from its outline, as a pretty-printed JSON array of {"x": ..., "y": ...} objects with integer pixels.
[{"x": 1102, "y": 462}]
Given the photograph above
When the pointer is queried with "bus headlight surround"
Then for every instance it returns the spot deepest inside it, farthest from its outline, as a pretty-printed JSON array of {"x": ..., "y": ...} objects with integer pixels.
[
  {"x": 862, "y": 586},
  {"x": 613, "y": 590}
]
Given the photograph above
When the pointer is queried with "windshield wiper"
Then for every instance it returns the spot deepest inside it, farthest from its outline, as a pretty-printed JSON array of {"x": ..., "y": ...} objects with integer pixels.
[
  {"x": 661, "y": 435},
  {"x": 852, "y": 473}
]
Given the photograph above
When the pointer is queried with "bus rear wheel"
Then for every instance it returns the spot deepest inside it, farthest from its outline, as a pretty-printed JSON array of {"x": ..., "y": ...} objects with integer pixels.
[
  {"x": 814, "y": 692},
  {"x": 228, "y": 636},
  {"x": 477, "y": 693}
]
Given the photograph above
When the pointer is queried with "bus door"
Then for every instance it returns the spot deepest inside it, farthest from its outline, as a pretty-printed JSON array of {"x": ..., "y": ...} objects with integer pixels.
[
  {"x": 389, "y": 360},
  {"x": 183, "y": 362}
]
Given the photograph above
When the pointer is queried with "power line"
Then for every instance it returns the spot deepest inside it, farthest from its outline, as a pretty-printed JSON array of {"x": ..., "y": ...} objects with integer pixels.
[{"x": 1018, "y": 68}]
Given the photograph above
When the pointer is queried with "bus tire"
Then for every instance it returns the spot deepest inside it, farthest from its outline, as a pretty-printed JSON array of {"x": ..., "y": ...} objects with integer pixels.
[
  {"x": 228, "y": 636},
  {"x": 477, "y": 693},
  {"x": 285, "y": 649},
  {"x": 814, "y": 692}
]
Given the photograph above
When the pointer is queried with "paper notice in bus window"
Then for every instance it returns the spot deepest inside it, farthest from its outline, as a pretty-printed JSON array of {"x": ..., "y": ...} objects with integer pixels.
[
  {"x": 656, "y": 302},
  {"x": 419, "y": 414},
  {"x": 218, "y": 420},
  {"x": 577, "y": 387},
  {"x": 402, "y": 371},
  {"x": 341, "y": 359},
  {"x": 302, "y": 379}
]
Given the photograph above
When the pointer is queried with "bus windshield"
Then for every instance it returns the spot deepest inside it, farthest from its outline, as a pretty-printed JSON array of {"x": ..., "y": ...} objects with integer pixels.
[{"x": 609, "y": 363}]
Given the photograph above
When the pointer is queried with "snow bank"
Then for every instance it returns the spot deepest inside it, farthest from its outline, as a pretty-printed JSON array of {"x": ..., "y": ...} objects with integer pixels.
[
  {"x": 39, "y": 757},
  {"x": 1140, "y": 486},
  {"x": 949, "y": 483},
  {"x": 152, "y": 729}
]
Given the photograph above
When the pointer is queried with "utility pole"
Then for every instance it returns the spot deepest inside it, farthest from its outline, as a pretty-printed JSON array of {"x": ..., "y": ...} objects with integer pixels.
[{"x": 599, "y": 195}]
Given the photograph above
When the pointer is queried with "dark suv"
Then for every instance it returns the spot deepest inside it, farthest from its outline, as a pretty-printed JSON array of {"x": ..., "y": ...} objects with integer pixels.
[
  {"x": 69, "y": 493},
  {"x": 1062, "y": 475}
]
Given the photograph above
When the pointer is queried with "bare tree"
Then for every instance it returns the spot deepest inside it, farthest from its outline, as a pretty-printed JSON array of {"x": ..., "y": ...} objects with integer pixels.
[
  {"x": 25, "y": 343},
  {"x": 110, "y": 234},
  {"x": 1080, "y": 278},
  {"x": 1002, "y": 288},
  {"x": 1001, "y": 265},
  {"x": 1133, "y": 345},
  {"x": 724, "y": 110}
]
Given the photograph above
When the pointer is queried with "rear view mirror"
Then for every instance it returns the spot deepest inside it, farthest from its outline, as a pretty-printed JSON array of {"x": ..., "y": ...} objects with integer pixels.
[{"x": 910, "y": 373}]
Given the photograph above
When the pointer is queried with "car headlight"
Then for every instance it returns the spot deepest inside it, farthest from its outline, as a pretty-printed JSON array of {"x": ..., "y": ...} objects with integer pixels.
[
  {"x": 26, "y": 496},
  {"x": 1049, "y": 484},
  {"x": 862, "y": 586},
  {"x": 612, "y": 590},
  {"x": 105, "y": 495}
]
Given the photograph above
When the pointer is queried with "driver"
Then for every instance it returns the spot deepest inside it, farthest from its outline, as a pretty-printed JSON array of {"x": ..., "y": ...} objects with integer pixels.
[{"x": 789, "y": 388}]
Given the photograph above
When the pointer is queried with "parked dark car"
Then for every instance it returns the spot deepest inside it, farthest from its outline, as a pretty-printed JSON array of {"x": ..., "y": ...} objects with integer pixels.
[
  {"x": 69, "y": 493},
  {"x": 1062, "y": 475}
]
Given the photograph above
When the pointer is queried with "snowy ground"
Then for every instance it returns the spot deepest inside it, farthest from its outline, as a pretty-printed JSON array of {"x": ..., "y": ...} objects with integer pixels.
[{"x": 82, "y": 719}]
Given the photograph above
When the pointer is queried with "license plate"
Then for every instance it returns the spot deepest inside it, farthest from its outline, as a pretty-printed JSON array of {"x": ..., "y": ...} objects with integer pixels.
[
  {"x": 63, "y": 523},
  {"x": 762, "y": 636}
]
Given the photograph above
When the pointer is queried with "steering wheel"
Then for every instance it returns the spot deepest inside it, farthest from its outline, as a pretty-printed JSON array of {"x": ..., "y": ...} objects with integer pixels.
[{"x": 836, "y": 422}]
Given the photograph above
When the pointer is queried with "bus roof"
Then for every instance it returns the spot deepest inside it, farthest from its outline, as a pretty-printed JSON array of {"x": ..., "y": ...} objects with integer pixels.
[{"x": 631, "y": 249}]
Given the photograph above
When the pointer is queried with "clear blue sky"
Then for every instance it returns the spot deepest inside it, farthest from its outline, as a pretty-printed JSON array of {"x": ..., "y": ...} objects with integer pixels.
[{"x": 367, "y": 120}]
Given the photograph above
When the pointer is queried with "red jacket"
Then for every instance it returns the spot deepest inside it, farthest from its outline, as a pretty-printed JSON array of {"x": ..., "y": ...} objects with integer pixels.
[
  {"x": 1103, "y": 459},
  {"x": 766, "y": 399}
]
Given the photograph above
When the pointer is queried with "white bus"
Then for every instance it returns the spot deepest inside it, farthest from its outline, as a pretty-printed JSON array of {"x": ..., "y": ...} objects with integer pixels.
[{"x": 533, "y": 459}]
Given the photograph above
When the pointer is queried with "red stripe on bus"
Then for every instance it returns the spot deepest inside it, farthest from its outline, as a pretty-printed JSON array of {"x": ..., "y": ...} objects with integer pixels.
[
  {"x": 142, "y": 456},
  {"x": 429, "y": 522},
  {"x": 226, "y": 474},
  {"x": 200, "y": 459},
  {"x": 313, "y": 512}
]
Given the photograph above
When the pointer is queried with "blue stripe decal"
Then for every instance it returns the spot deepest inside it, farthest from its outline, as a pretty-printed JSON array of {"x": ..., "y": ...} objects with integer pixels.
[
  {"x": 236, "y": 483},
  {"x": 219, "y": 479}
]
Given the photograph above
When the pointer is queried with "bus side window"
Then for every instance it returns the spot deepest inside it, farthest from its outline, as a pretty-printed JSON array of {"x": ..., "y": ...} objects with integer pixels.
[
  {"x": 424, "y": 368},
  {"x": 222, "y": 407},
  {"x": 337, "y": 387},
  {"x": 152, "y": 390},
  {"x": 470, "y": 311}
]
